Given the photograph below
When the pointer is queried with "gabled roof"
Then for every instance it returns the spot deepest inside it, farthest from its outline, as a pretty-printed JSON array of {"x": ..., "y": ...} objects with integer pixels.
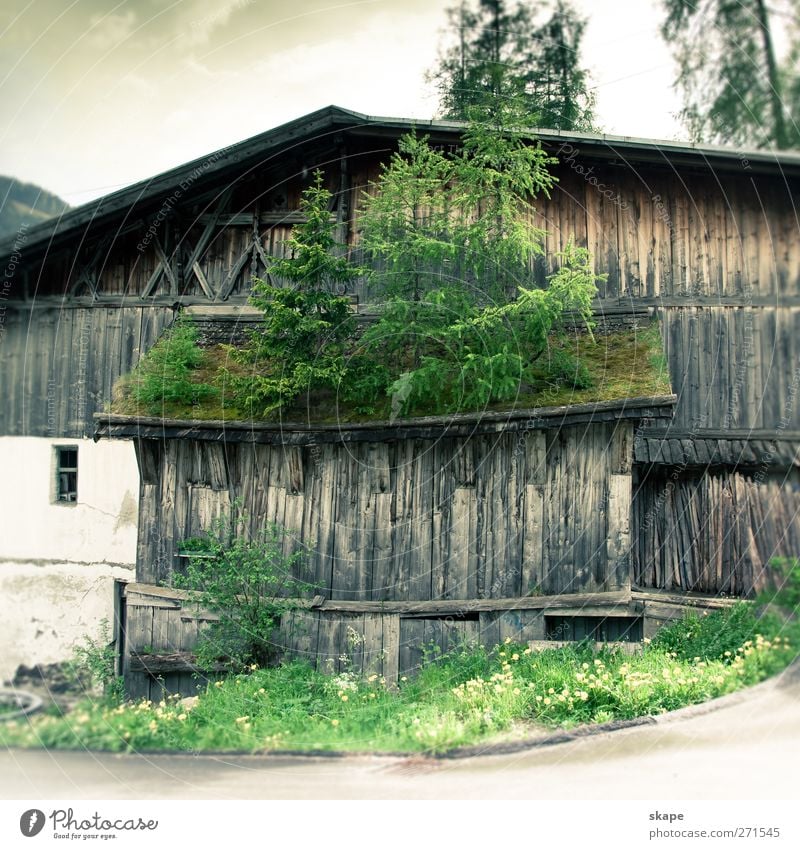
[{"x": 334, "y": 119}]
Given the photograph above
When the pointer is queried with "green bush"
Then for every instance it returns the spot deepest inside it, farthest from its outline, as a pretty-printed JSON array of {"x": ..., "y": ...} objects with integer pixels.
[
  {"x": 164, "y": 375},
  {"x": 710, "y": 636},
  {"x": 248, "y": 579},
  {"x": 783, "y": 588},
  {"x": 96, "y": 659}
]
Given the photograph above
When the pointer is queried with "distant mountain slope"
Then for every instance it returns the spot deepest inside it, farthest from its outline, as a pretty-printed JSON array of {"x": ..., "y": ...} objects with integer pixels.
[{"x": 24, "y": 203}]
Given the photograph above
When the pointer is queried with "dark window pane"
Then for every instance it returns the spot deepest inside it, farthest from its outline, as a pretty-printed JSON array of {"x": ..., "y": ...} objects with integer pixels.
[{"x": 69, "y": 458}]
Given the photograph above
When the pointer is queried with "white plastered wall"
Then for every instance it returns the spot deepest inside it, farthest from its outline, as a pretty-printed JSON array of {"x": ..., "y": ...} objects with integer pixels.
[{"x": 58, "y": 561}]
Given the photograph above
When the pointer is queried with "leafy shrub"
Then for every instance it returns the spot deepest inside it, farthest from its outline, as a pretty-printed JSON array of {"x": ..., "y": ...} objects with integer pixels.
[
  {"x": 164, "y": 375},
  {"x": 248, "y": 579},
  {"x": 783, "y": 589},
  {"x": 454, "y": 354},
  {"x": 97, "y": 658},
  {"x": 711, "y": 636},
  {"x": 563, "y": 369}
]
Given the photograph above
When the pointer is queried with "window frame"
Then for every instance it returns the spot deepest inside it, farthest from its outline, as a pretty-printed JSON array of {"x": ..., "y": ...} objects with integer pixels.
[{"x": 58, "y": 470}]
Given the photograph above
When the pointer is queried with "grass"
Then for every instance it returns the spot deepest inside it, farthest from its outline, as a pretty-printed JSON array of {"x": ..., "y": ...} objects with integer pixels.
[
  {"x": 469, "y": 696},
  {"x": 626, "y": 364}
]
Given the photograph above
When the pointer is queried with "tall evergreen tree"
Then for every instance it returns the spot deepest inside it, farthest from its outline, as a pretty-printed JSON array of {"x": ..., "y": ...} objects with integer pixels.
[
  {"x": 505, "y": 52},
  {"x": 734, "y": 88},
  {"x": 558, "y": 86}
]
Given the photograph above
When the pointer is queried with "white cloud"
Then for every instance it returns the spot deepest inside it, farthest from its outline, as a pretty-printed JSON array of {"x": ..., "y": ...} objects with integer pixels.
[{"x": 107, "y": 31}]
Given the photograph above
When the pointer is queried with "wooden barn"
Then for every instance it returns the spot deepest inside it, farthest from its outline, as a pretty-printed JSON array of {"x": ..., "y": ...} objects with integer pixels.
[{"x": 602, "y": 520}]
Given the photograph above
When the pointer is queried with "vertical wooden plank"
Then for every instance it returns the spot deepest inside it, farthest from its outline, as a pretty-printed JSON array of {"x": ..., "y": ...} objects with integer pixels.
[
  {"x": 462, "y": 575},
  {"x": 419, "y": 560},
  {"x": 489, "y": 629},
  {"x": 533, "y": 561},
  {"x": 411, "y": 639},
  {"x": 138, "y": 636},
  {"x": 326, "y": 508},
  {"x": 618, "y": 532},
  {"x": 391, "y": 648},
  {"x": 372, "y": 655},
  {"x": 382, "y": 553}
]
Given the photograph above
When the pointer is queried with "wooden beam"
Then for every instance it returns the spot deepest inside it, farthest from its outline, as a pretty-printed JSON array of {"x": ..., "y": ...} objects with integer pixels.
[
  {"x": 619, "y": 601},
  {"x": 161, "y": 664},
  {"x": 211, "y": 224},
  {"x": 166, "y": 265},
  {"x": 204, "y": 284},
  {"x": 230, "y": 280},
  {"x": 88, "y": 273},
  {"x": 245, "y": 219}
]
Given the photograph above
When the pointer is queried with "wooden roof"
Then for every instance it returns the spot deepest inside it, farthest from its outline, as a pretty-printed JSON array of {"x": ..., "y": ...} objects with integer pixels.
[
  {"x": 750, "y": 449},
  {"x": 326, "y": 125}
]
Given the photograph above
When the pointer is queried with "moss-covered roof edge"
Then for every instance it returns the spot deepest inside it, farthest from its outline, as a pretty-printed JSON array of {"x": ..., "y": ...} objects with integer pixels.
[{"x": 114, "y": 426}]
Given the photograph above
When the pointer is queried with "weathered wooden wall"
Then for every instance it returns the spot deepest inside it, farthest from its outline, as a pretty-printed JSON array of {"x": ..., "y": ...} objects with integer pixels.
[
  {"x": 689, "y": 238},
  {"x": 489, "y": 516},
  {"x": 717, "y": 253},
  {"x": 59, "y": 364},
  {"x": 714, "y": 249},
  {"x": 161, "y": 627},
  {"x": 713, "y": 530}
]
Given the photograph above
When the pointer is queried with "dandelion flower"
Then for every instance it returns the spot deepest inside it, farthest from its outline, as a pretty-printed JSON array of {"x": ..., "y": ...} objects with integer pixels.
[
  {"x": 334, "y": 722},
  {"x": 181, "y": 717},
  {"x": 546, "y": 700},
  {"x": 344, "y": 698},
  {"x": 515, "y": 656}
]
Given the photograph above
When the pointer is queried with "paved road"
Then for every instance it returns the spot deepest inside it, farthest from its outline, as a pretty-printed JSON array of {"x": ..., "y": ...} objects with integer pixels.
[{"x": 748, "y": 748}]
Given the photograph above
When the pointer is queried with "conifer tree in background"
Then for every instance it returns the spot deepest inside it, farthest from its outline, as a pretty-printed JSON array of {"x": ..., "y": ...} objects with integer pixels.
[
  {"x": 558, "y": 86},
  {"x": 735, "y": 89},
  {"x": 497, "y": 50}
]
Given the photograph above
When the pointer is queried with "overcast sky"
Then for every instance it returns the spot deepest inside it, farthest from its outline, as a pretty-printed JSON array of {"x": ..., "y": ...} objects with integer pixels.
[{"x": 97, "y": 94}]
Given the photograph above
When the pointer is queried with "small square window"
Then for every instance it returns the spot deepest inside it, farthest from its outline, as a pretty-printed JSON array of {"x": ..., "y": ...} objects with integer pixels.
[{"x": 66, "y": 475}]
